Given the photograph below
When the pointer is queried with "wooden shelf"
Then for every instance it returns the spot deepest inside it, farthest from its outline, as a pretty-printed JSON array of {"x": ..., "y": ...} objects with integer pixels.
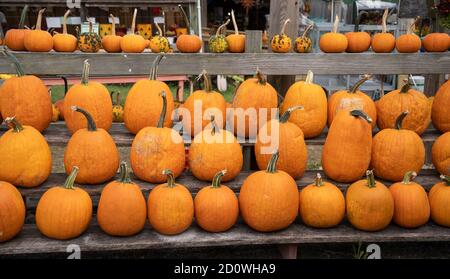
[{"x": 95, "y": 3}]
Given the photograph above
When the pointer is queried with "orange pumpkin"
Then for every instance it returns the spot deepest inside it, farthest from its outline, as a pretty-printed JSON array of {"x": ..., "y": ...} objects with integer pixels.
[
  {"x": 383, "y": 42},
  {"x": 358, "y": 41},
  {"x": 14, "y": 38},
  {"x": 440, "y": 112},
  {"x": 436, "y": 42},
  {"x": 409, "y": 42},
  {"x": 189, "y": 43},
  {"x": 38, "y": 40},
  {"x": 439, "y": 197},
  {"x": 64, "y": 42},
  {"x": 333, "y": 42},
  {"x": 440, "y": 153},
  {"x": 133, "y": 43},
  {"x": 12, "y": 210},
  {"x": 281, "y": 43},
  {"x": 111, "y": 43},
  {"x": 236, "y": 41}
]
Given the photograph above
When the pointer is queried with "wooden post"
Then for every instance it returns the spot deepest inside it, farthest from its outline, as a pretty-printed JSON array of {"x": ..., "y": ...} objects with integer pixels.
[
  {"x": 253, "y": 41},
  {"x": 288, "y": 251}
]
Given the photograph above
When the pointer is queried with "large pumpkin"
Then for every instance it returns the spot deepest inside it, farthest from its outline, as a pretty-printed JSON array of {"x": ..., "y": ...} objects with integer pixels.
[
  {"x": 133, "y": 43},
  {"x": 89, "y": 41},
  {"x": 111, "y": 42},
  {"x": 439, "y": 197},
  {"x": 358, "y": 41},
  {"x": 12, "y": 211},
  {"x": 281, "y": 43},
  {"x": 440, "y": 153},
  {"x": 65, "y": 42},
  {"x": 218, "y": 43},
  {"x": 347, "y": 149},
  {"x": 409, "y": 42},
  {"x": 189, "y": 43},
  {"x": 14, "y": 38},
  {"x": 333, "y": 42},
  {"x": 236, "y": 41},
  {"x": 383, "y": 42},
  {"x": 440, "y": 112},
  {"x": 38, "y": 40},
  {"x": 25, "y": 156},
  {"x": 268, "y": 199},
  {"x": 436, "y": 42}
]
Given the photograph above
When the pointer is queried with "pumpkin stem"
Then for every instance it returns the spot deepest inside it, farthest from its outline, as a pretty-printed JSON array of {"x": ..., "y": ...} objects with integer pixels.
[
  {"x": 22, "y": 17},
  {"x": 285, "y": 117},
  {"x": 236, "y": 30},
  {"x": 160, "y": 32},
  {"x": 15, "y": 125},
  {"x": 66, "y": 85},
  {"x": 85, "y": 73},
  {"x": 272, "y": 166},
  {"x": 170, "y": 178},
  {"x": 154, "y": 69},
  {"x": 39, "y": 19},
  {"x": 370, "y": 179},
  {"x": 309, "y": 77},
  {"x": 65, "y": 22},
  {"x": 218, "y": 178},
  {"x": 163, "y": 111},
  {"x": 307, "y": 30},
  {"x": 360, "y": 82},
  {"x": 113, "y": 24},
  {"x": 262, "y": 79},
  {"x": 92, "y": 127},
  {"x": 71, "y": 179},
  {"x": 19, "y": 70},
  {"x": 206, "y": 81},
  {"x": 283, "y": 28},
  {"x": 384, "y": 20},
  {"x": 222, "y": 26},
  {"x": 357, "y": 21},
  {"x": 133, "y": 22},
  {"x": 124, "y": 173},
  {"x": 214, "y": 127},
  {"x": 405, "y": 88},
  {"x": 409, "y": 176},
  {"x": 362, "y": 114},
  {"x": 186, "y": 20},
  {"x": 413, "y": 25},
  {"x": 335, "y": 24},
  {"x": 318, "y": 180},
  {"x": 445, "y": 178},
  {"x": 399, "y": 121}
]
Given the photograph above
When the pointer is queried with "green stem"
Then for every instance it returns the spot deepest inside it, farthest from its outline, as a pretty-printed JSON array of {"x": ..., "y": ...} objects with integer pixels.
[
  {"x": 162, "y": 117},
  {"x": 66, "y": 85},
  {"x": 154, "y": 70},
  {"x": 399, "y": 121},
  {"x": 409, "y": 176},
  {"x": 91, "y": 123},
  {"x": 218, "y": 178},
  {"x": 370, "y": 179},
  {"x": 362, "y": 114},
  {"x": 285, "y": 117},
  {"x": 360, "y": 82},
  {"x": 19, "y": 70},
  {"x": 170, "y": 178},
  {"x": 85, "y": 73},
  {"x": 262, "y": 79},
  {"x": 445, "y": 178},
  {"x": 318, "y": 180},
  {"x": 22, "y": 17},
  {"x": 71, "y": 179},
  {"x": 124, "y": 173},
  {"x": 16, "y": 126},
  {"x": 206, "y": 81},
  {"x": 272, "y": 166},
  {"x": 186, "y": 20}
]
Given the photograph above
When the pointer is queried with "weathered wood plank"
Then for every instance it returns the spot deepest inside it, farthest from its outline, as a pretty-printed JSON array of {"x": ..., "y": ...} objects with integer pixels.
[{"x": 94, "y": 2}]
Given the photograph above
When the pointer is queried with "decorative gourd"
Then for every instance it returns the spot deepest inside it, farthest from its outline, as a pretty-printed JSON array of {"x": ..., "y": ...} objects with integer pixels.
[
  {"x": 170, "y": 207},
  {"x": 65, "y": 42},
  {"x": 93, "y": 151},
  {"x": 439, "y": 197},
  {"x": 347, "y": 149},
  {"x": 91, "y": 96},
  {"x": 89, "y": 41},
  {"x": 440, "y": 153},
  {"x": 411, "y": 206},
  {"x": 64, "y": 212},
  {"x": 216, "y": 206},
  {"x": 281, "y": 43},
  {"x": 60, "y": 103},
  {"x": 409, "y": 42},
  {"x": 440, "y": 112},
  {"x": 12, "y": 210},
  {"x": 155, "y": 149},
  {"x": 268, "y": 199},
  {"x": 289, "y": 139},
  {"x": 383, "y": 42},
  {"x": 236, "y": 41},
  {"x": 117, "y": 110},
  {"x": 313, "y": 118},
  {"x": 397, "y": 101},
  {"x": 38, "y": 40},
  {"x": 436, "y": 42},
  {"x": 122, "y": 210},
  {"x": 159, "y": 43},
  {"x": 303, "y": 44},
  {"x": 352, "y": 99},
  {"x": 190, "y": 43},
  {"x": 333, "y": 42},
  {"x": 14, "y": 38},
  {"x": 358, "y": 41},
  {"x": 396, "y": 151},
  {"x": 133, "y": 43},
  {"x": 322, "y": 204},
  {"x": 143, "y": 104},
  {"x": 218, "y": 43},
  {"x": 111, "y": 42}
]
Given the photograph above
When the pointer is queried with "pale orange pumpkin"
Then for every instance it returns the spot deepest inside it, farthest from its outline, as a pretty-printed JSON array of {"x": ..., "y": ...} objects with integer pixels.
[
  {"x": 14, "y": 38},
  {"x": 236, "y": 41},
  {"x": 65, "y": 42},
  {"x": 383, "y": 42},
  {"x": 409, "y": 42},
  {"x": 189, "y": 43},
  {"x": 111, "y": 43},
  {"x": 333, "y": 42},
  {"x": 436, "y": 42},
  {"x": 38, "y": 40},
  {"x": 133, "y": 43}
]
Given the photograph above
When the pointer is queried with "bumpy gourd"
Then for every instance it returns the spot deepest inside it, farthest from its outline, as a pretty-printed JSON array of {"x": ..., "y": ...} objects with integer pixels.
[
  {"x": 281, "y": 43},
  {"x": 303, "y": 44},
  {"x": 218, "y": 42},
  {"x": 89, "y": 41}
]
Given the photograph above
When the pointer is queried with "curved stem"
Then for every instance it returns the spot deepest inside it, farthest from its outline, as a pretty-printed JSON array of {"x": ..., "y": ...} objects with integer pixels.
[
  {"x": 71, "y": 179},
  {"x": 113, "y": 24},
  {"x": 262, "y": 79},
  {"x": 133, "y": 22},
  {"x": 445, "y": 178},
  {"x": 411, "y": 27},
  {"x": 66, "y": 85},
  {"x": 222, "y": 26},
  {"x": 22, "y": 17},
  {"x": 384, "y": 20},
  {"x": 409, "y": 176},
  {"x": 186, "y": 20},
  {"x": 91, "y": 123},
  {"x": 124, "y": 175},
  {"x": 335, "y": 24},
  {"x": 285, "y": 117},
  {"x": 283, "y": 28},
  {"x": 90, "y": 26},
  {"x": 360, "y": 82},
  {"x": 272, "y": 166},
  {"x": 218, "y": 178},
  {"x": 170, "y": 178},
  {"x": 85, "y": 73},
  {"x": 19, "y": 70},
  {"x": 399, "y": 121},
  {"x": 214, "y": 127},
  {"x": 236, "y": 30},
  {"x": 163, "y": 111},
  {"x": 405, "y": 88},
  {"x": 206, "y": 81},
  {"x": 307, "y": 30},
  {"x": 154, "y": 69},
  {"x": 370, "y": 179},
  {"x": 65, "y": 22},
  {"x": 362, "y": 114},
  {"x": 39, "y": 19},
  {"x": 160, "y": 32},
  {"x": 15, "y": 125},
  {"x": 309, "y": 77},
  {"x": 318, "y": 180}
]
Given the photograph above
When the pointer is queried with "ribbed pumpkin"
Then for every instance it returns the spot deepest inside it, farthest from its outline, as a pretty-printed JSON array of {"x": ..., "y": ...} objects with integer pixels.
[
  {"x": 352, "y": 99},
  {"x": 409, "y": 42},
  {"x": 439, "y": 197},
  {"x": 93, "y": 151},
  {"x": 383, "y": 42},
  {"x": 170, "y": 207},
  {"x": 38, "y": 40},
  {"x": 111, "y": 42},
  {"x": 236, "y": 41},
  {"x": 313, "y": 118},
  {"x": 440, "y": 112},
  {"x": 89, "y": 41},
  {"x": 25, "y": 156},
  {"x": 369, "y": 203},
  {"x": 411, "y": 206},
  {"x": 64, "y": 212},
  {"x": 143, "y": 104},
  {"x": 440, "y": 153},
  {"x": 281, "y": 43},
  {"x": 396, "y": 151},
  {"x": 218, "y": 43},
  {"x": 397, "y": 101},
  {"x": 65, "y": 42},
  {"x": 155, "y": 149},
  {"x": 303, "y": 44},
  {"x": 159, "y": 43},
  {"x": 436, "y": 42},
  {"x": 333, "y": 42},
  {"x": 358, "y": 41},
  {"x": 322, "y": 204},
  {"x": 189, "y": 43},
  {"x": 347, "y": 149},
  {"x": 91, "y": 96},
  {"x": 12, "y": 211},
  {"x": 26, "y": 98},
  {"x": 288, "y": 139},
  {"x": 122, "y": 210},
  {"x": 133, "y": 43},
  {"x": 14, "y": 38},
  {"x": 216, "y": 206}
]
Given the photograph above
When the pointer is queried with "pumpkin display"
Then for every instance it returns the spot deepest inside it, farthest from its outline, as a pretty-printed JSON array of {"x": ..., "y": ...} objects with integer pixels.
[
  {"x": 59, "y": 104},
  {"x": 14, "y": 38},
  {"x": 91, "y": 96},
  {"x": 155, "y": 149},
  {"x": 333, "y": 42},
  {"x": 64, "y": 42},
  {"x": 189, "y": 43},
  {"x": 439, "y": 197},
  {"x": 143, "y": 103},
  {"x": 281, "y": 43},
  {"x": 216, "y": 206},
  {"x": 64, "y": 212},
  {"x": 89, "y": 41},
  {"x": 170, "y": 207},
  {"x": 397, "y": 101},
  {"x": 440, "y": 112},
  {"x": 159, "y": 43},
  {"x": 436, "y": 42},
  {"x": 409, "y": 42},
  {"x": 268, "y": 199},
  {"x": 358, "y": 41},
  {"x": 12, "y": 211},
  {"x": 218, "y": 43},
  {"x": 236, "y": 41},
  {"x": 396, "y": 151},
  {"x": 303, "y": 44},
  {"x": 411, "y": 206},
  {"x": 288, "y": 139},
  {"x": 347, "y": 149},
  {"x": 38, "y": 40},
  {"x": 122, "y": 210},
  {"x": 133, "y": 43},
  {"x": 93, "y": 151},
  {"x": 322, "y": 204},
  {"x": 312, "y": 119},
  {"x": 117, "y": 110},
  {"x": 111, "y": 42},
  {"x": 383, "y": 42},
  {"x": 440, "y": 153}
]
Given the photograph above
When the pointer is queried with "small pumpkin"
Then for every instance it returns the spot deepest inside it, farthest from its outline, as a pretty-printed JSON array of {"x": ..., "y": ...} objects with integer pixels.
[
  {"x": 281, "y": 43},
  {"x": 322, "y": 204},
  {"x": 303, "y": 44},
  {"x": 440, "y": 112},
  {"x": 236, "y": 41},
  {"x": 12, "y": 210},
  {"x": 122, "y": 210},
  {"x": 65, "y": 42},
  {"x": 333, "y": 42},
  {"x": 111, "y": 42},
  {"x": 216, "y": 206},
  {"x": 159, "y": 43},
  {"x": 189, "y": 43},
  {"x": 133, "y": 43},
  {"x": 117, "y": 110},
  {"x": 170, "y": 207},
  {"x": 409, "y": 42},
  {"x": 38, "y": 40},
  {"x": 89, "y": 41},
  {"x": 358, "y": 41},
  {"x": 64, "y": 212},
  {"x": 439, "y": 197},
  {"x": 218, "y": 43},
  {"x": 383, "y": 42},
  {"x": 440, "y": 153},
  {"x": 14, "y": 38},
  {"x": 436, "y": 42}
]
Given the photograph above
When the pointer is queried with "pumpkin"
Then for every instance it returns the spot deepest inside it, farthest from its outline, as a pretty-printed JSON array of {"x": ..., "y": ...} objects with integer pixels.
[
  {"x": 133, "y": 43},
  {"x": 14, "y": 38},
  {"x": 358, "y": 41},
  {"x": 218, "y": 43},
  {"x": 93, "y": 151},
  {"x": 440, "y": 112},
  {"x": 236, "y": 41},
  {"x": 383, "y": 42},
  {"x": 65, "y": 42},
  {"x": 436, "y": 42},
  {"x": 281, "y": 43},
  {"x": 117, "y": 110},
  {"x": 64, "y": 212},
  {"x": 143, "y": 103},
  {"x": 207, "y": 102},
  {"x": 159, "y": 43},
  {"x": 212, "y": 150},
  {"x": 411, "y": 206},
  {"x": 12, "y": 210},
  {"x": 303, "y": 44},
  {"x": 89, "y": 41},
  {"x": 122, "y": 210},
  {"x": 55, "y": 113},
  {"x": 396, "y": 151},
  {"x": 155, "y": 149},
  {"x": 60, "y": 103},
  {"x": 397, "y": 101},
  {"x": 322, "y": 204},
  {"x": 111, "y": 42},
  {"x": 91, "y": 96},
  {"x": 216, "y": 206},
  {"x": 26, "y": 97},
  {"x": 409, "y": 42},
  {"x": 313, "y": 118},
  {"x": 333, "y": 42},
  {"x": 170, "y": 207},
  {"x": 288, "y": 138},
  {"x": 189, "y": 43},
  {"x": 38, "y": 40},
  {"x": 268, "y": 199},
  {"x": 440, "y": 153},
  {"x": 439, "y": 197},
  {"x": 352, "y": 99},
  {"x": 347, "y": 149}
]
